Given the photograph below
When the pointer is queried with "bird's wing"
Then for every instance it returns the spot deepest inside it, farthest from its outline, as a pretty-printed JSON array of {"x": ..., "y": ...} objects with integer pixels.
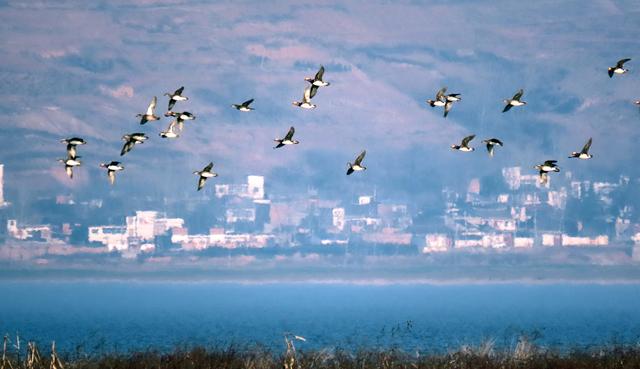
[
  {"x": 313, "y": 91},
  {"x": 466, "y": 140},
  {"x": 320, "y": 73},
  {"x": 71, "y": 151},
  {"x": 179, "y": 91},
  {"x": 127, "y": 147},
  {"x": 349, "y": 171},
  {"x": 306, "y": 96},
  {"x": 507, "y": 108},
  {"x": 289, "y": 135},
  {"x": 610, "y": 71},
  {"x": 172, "y": 103},
  {"x": 112, "y": 176},
  {"x": 208, "y": 167},
  {"x": 360, "y": 157},
  {"x": 247, "y": 103},
  {"x": 440, "y": 93},
  {"x": 201, "y": 182},
  {"x": 69, "y": 171},
  {"x": 550, "y": 162},
  {"x": 621, "y": 62},
  {"x": 497, "y": 142},
  {"x": 518, "y": 95},
  {"x": 152, "y": 106},
  {"x": 587, "y": 146},
  {"x": 490, "y": 148},
  {"x": 447, "y": 108},
  {"x": 544, "y": 177}
]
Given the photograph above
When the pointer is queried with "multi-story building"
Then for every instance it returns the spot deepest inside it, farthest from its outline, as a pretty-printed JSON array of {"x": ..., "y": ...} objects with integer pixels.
[
  {"x": 115, "y": 238},
  {"x": 41, "y": 233},
  {"x": 338, "y": 216}
]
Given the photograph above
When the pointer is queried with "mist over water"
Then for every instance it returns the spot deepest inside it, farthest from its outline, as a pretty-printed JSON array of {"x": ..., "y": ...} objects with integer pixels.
[{"x": 118, "y": 316}]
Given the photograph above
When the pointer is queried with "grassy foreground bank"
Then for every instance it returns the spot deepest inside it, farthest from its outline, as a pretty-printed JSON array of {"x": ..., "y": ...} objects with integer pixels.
[{"x": 525, "y": 355}]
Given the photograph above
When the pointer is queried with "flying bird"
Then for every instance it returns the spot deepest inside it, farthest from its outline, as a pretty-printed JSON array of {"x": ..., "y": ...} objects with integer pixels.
[
  {"x": 149, "y": 116},
  {"x": 180, "y": 118},
  {"x": 175, "y": 97},
  {"x": 306, "y": 103},
  {"x": 357, "y": 164},
  {"x": 449, "y": 100},
  {"x": 205, "y": 174},
  {"x": 244, "y": 106},
  {"x": 112, "y": 168},
  {"x": 584, "y": 154},
  {"x": 69, "y": 163},
  {"x": 453, "y": 97},
  {"x": 170, "y": 132},
  {"x": 185, "y": 115},
  {"x": 545, "y": 168},
  {"x": 71, "y": 145},
  {"x": 440, "y": 99},
  {"x": 317, "y": 79},
  {"x": 514, "y": 101},
  {"x": 131, "y": 140},
  {"x": 491, "y": 143},
  {"x": 74, "y": 141},
  {"x": 287, "y": 140},
  {"x": 619, "y": 68},
  {"x": 464, "y": 145}
]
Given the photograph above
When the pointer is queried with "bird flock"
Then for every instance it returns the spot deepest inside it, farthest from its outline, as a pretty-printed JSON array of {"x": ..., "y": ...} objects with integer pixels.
[
  {"x": 176, "y": 126},
  {"x": 445, "y": 100}
]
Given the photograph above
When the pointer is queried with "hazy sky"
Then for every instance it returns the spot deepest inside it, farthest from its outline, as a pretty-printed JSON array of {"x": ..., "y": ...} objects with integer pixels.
[{"x": 69, "y": 68}]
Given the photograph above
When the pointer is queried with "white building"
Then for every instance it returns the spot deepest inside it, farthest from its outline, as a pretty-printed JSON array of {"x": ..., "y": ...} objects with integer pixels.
[
  {"x": 436, "y": 242},
  {"x": 29, "y": 232},
  {"x": 255, "y": 187},
  {"x": 338, "y": 215},
  {"x": 146, "y": 225},
  {"x": 114, "y": 237},
  {"x": 142, "y": 225},
  {"x": 523, "y": 242},
  {"x": 601, "y": 240}
]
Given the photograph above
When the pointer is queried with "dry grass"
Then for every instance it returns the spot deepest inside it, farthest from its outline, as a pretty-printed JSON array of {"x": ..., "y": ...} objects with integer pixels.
[{"x": 525, "y": 355}]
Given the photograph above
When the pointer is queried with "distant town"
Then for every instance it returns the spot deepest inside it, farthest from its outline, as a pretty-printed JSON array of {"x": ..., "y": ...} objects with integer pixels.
[{"x": 515, "y": 214}]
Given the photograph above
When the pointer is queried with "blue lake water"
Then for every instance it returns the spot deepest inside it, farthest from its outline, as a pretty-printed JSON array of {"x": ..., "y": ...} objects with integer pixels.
[{"x": 105, "y": 317}]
